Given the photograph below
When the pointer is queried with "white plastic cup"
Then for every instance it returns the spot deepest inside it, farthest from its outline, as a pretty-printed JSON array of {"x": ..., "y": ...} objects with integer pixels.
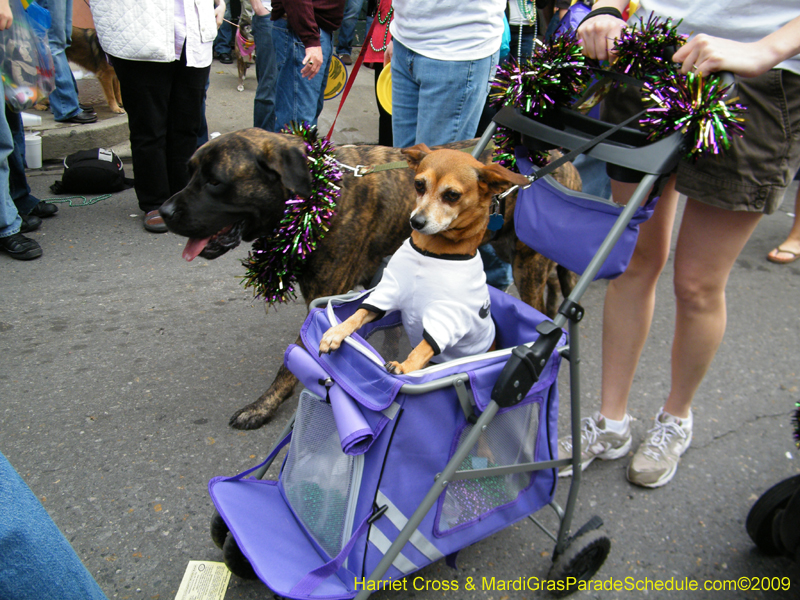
[{"x": 33, "y": 150}]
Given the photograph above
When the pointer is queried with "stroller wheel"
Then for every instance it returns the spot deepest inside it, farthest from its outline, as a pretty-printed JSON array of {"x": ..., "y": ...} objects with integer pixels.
[
  {"x": 583, "y": 557},
  {"x": 218, "y": 530},
  {"x": 790, "y": 525},
  {"x": 236, "y": 562},
  {"x": 760, "y": 519}
]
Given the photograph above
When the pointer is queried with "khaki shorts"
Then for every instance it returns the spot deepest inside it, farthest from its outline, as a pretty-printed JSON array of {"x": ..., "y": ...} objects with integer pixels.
[{"x": 753, "y": 174}]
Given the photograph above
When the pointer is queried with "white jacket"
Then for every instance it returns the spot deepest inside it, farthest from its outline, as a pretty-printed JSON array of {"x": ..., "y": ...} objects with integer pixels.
[{"x": 145, "y": 29}]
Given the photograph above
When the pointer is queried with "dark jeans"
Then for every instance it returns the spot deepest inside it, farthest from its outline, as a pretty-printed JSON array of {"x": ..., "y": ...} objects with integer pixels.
[
  {"x": 17, "y": 181},
  {"x": 164, "y": 105},
  {"x": 266, "y": 74}
]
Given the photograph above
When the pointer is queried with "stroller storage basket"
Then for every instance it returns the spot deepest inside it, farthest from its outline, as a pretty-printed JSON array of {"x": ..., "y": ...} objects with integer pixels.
[
  {"x": 569, "y": 227},
  {"x": 366, "y": 449}
]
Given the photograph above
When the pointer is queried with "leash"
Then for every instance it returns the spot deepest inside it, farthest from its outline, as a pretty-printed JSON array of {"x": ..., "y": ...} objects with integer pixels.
[
  {"x": 85, "y": 201},
  {"x": 350, "y": 81},
  {"x": 361, "y": 170}
]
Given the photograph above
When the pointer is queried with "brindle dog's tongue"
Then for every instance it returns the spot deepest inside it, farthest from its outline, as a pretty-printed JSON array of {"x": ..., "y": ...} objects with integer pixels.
[{"x": 194, "y": 247}]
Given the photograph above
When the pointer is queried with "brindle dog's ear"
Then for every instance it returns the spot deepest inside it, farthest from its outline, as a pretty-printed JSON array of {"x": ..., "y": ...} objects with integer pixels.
[
  {"x": 415, "y": 154},
  {"x": 498, "y": 178},
  {"x": 290, "y": 163}
]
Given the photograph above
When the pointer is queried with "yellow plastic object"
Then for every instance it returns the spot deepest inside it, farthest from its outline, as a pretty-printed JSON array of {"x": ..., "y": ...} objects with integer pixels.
[
  {"x": 337, "y": 78},
  {"x": 384, "y": 88}
]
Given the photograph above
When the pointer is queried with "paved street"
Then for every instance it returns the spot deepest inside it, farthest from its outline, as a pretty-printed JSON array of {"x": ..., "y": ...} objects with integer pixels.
[{"x": 123, "y": 364}]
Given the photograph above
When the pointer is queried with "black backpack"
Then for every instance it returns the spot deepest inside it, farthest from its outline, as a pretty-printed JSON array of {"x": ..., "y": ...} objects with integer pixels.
[{"x": 95, "y": 171}]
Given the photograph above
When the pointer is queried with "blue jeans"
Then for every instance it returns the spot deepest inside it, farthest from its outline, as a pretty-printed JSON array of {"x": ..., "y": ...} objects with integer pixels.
[
  {"x": 38, "y": 561},
  {"x": 223, "y": 43},
  {"x": 64, "y": 102},
  {"x": 17, "y": 181},
  {"x": 437, "y": 101},
  {"x": 10, "y": 220},
  {"x": 297, "y": 99},
  {"x": 499, "y": 274},
  {"x": 266, "y": 74},
  {"x": 344, "y": 43}
]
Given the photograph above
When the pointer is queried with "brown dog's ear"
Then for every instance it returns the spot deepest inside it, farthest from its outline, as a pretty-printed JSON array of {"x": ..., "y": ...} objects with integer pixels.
[
  {"x": 498, "y": 178},
  {"x": 415, "y": 154},
  {"x": 290, "y": 163}
]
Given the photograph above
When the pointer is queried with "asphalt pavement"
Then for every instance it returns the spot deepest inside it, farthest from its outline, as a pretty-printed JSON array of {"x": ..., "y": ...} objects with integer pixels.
[{"x": 122, "y": 364}]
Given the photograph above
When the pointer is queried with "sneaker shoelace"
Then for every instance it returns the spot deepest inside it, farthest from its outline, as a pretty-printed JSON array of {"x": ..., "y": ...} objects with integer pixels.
[
  {"x": 660, "y": 436},
  {"x": 589, "y": 433}
]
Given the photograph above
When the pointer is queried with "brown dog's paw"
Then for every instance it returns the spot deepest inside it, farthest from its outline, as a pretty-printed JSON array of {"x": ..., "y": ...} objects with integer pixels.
[
  {"x": 332, "y": 339},
  {"x": 254, "y": 415},
  {"x": 394, "y": 367}
]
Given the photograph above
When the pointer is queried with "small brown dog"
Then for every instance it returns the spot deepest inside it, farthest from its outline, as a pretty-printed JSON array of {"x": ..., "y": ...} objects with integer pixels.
[
  {"x": 85, "y": 51},
  {"x": 244, "y": 49},
  {"x": 436, "y": 278}
]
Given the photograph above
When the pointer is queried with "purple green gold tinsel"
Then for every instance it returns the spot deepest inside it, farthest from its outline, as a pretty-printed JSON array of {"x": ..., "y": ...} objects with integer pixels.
[
  {"x": 556, "y": 74},
  {"x": 644, "y": 50},
  {"x": 550, "y": 78},
  {"x": 695, "y": 105},
  {"x": 275, "y": 261},
  {"x": 796, "y": 423}
]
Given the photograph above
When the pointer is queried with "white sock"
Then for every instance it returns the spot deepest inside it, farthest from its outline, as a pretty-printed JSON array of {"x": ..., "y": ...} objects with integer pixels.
[{"x": 616, "y": 426}]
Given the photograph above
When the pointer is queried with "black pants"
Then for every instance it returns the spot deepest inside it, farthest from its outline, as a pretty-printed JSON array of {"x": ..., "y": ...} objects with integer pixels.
[{"x": 164, "y": 102}]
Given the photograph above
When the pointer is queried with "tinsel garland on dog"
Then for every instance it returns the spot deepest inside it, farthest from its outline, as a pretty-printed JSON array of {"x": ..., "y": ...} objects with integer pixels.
[{"x": 275, "y": 261}]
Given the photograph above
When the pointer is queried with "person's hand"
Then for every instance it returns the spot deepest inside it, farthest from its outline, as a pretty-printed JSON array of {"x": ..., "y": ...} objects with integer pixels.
[
  {"x": 387, "y": 54},
  {"x": 6, "y": 16},
  {"x": 312, "y": 63},
  {"x": 706, "y": 54},
  {"x": 219, "y": 12},
  {"x": 259, "y": 8},
  {"x": 598, "y": 36}
]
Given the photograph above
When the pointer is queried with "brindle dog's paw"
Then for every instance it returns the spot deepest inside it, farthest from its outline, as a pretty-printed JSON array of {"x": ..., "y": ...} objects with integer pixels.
[
  {"x": 254, "y": 415},
  {"x": 394, "y": 367}
]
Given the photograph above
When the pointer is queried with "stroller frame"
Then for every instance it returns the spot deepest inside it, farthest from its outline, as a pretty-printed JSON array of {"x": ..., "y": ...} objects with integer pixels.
[{"x": 582, "y": 554}]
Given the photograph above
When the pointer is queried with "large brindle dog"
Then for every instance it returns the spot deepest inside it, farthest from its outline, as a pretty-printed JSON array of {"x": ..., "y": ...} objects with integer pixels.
[{"x": 240, "y": 182}]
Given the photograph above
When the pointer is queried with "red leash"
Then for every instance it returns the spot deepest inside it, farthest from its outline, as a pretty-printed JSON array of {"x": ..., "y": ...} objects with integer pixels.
[{"x": 352, "y": 78}]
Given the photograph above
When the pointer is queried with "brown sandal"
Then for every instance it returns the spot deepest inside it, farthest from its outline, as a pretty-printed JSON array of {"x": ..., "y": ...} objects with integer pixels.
[{"x": 782, "y": 261}]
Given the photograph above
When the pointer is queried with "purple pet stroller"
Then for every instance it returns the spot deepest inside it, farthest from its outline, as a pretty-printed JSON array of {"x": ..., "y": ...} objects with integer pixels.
[{"x": 386, "y": 474}]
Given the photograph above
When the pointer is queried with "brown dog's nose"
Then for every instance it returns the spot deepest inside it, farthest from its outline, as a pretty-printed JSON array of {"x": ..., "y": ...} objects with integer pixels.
[{"x": 418, "y": 222}]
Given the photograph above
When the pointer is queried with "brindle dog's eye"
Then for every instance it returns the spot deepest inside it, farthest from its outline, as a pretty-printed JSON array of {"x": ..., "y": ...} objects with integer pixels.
[
  {"x": 451, "y": 196},
  {"x": 419, "y": 185}
]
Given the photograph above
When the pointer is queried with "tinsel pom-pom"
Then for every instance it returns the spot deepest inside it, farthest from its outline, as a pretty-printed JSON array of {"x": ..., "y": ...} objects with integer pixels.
[
  {"x": 645, "y": 49},
  {"x": 551, "y": 77},
  {"x": 276, "y": 261},
  {"x": 695, "y": 105},
  {"x": 505, "y": 142},
  {"x": 796, "y": 423}
]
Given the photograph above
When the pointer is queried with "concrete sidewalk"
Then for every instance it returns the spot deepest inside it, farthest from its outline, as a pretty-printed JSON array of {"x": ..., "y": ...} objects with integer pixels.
[{"x": 226, "y": 110}]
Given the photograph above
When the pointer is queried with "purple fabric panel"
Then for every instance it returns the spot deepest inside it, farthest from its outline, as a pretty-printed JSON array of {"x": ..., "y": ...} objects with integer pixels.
[
  {"x": 570, "y": 228},
  {"x": 367, "y": 382},
  {"x": 270, "y": 537},
  {"x": 355, "y": 434},
  {"x": 357, "y": 428}
]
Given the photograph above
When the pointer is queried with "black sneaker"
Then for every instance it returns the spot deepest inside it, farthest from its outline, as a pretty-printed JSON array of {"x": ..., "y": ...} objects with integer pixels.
[
  {"x": 29, "y": 223},
  {"x": 44, "y": 210},
  {"x": 225, "y": 58},
  {"x": 20, "y": 247}
]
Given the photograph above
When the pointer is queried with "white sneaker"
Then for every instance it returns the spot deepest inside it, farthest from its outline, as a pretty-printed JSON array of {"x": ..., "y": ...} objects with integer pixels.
[
  {"x": 655, "y": 462},
  {"x": 596, "y": 442}
]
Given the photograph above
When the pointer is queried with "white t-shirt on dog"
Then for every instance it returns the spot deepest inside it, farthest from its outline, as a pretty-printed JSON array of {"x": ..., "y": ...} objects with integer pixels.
[{"x": 443, "y": 299}]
